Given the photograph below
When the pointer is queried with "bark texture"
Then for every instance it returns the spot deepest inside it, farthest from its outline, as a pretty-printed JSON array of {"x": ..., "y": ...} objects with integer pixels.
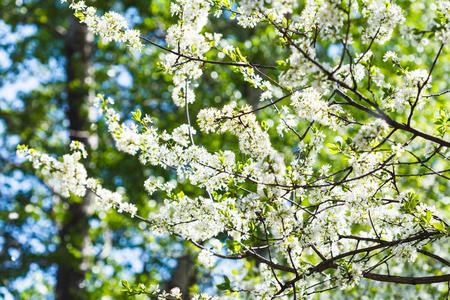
[
  {"x": 73, "y": 230},
  {"x": 184, "y": 275}
]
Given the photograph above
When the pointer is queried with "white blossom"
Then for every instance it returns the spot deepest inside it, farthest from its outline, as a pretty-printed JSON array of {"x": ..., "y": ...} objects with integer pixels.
[
  {"x": 112, "y": 26},
  {"x": 309, "y": 104}
]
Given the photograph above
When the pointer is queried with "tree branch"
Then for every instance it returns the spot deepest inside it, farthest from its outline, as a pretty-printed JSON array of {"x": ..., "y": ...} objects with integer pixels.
[{"x": 407, "y": 280}]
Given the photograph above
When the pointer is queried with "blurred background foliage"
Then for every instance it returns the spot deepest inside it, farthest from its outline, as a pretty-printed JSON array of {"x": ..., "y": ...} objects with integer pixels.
[{"x": 50, "y": 68}]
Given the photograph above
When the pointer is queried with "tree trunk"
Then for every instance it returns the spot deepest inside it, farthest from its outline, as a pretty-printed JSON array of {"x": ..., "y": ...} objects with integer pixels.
[
  {"x": 73, "y": 230},
  {"x": 184, "y": 275}
]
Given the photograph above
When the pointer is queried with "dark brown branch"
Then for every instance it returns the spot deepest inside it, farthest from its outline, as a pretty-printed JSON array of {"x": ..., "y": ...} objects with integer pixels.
[
  {"x": 393, "y": 123},
  {"x": 256, "y": 109},
  {"x": 436, "y": 257},
  {"x": 420, "y": 88},
  {"x": 242, "y": 65},
  {"x": 438, "y": 94},
  {"x": 407, "y": 280}
]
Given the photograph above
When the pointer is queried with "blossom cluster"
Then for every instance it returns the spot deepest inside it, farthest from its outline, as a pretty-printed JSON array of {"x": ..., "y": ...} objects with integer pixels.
[
  {"x": 111, "y": 26},
  {"x": 308, "y": 104},
  {"x": 189, "y": 45},
  {"x": 370, "y": 133},
  {"x": 323, "y": 14},
  {"x": 253, "y": 140},
  {"x": 382, "y": 18},
  {"x": 405, "y": 94},
  {"x": 68, "y": 176}
]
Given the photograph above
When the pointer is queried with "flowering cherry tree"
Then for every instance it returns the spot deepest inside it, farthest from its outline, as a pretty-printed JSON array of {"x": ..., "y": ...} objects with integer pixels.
[{"x": 355, "y": 186}]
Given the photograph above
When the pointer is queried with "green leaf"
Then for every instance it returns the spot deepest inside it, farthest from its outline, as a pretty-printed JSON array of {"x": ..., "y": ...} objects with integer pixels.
[
  {"x": 333, "y": 149},
  {"x": 224, "y": 285},
  {"x": 125, "y": 284},
  {"x": 233, "y": 246},
  {"x": 439, "y": 226},
  {"x": 137, "y": 115},
  {"x": 428, "y": 217}
]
